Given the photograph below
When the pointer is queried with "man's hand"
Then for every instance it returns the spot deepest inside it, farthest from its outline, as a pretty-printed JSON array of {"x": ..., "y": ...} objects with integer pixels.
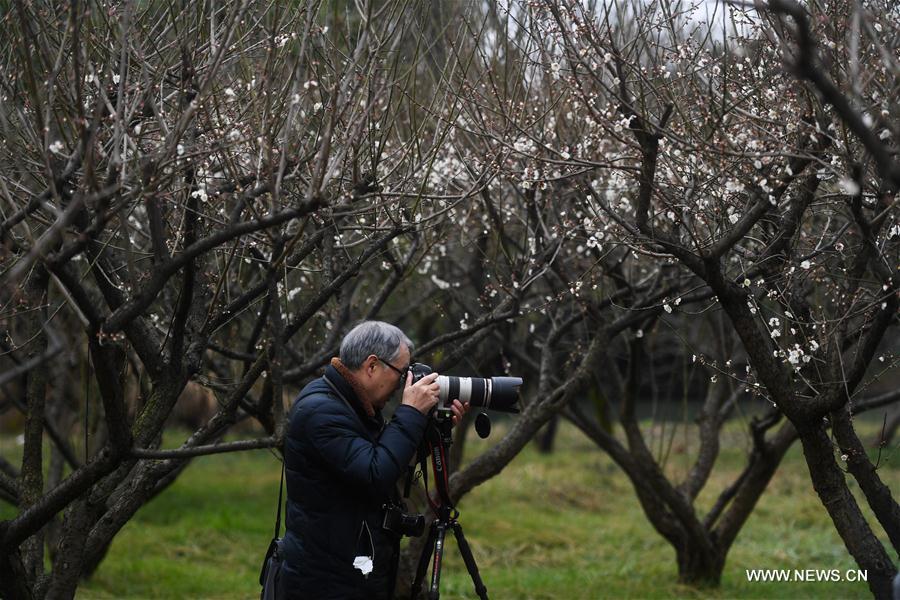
[
  {"x": 423, "y": 395},
  {"x": 459, "y": 410}
]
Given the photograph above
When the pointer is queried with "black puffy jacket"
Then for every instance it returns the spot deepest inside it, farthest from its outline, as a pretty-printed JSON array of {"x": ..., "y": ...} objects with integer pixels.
[{"x": 341, "y": 467}]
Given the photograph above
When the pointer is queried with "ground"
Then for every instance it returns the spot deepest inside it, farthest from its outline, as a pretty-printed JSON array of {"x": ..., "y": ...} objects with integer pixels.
[{"x": 564, "y": 525}]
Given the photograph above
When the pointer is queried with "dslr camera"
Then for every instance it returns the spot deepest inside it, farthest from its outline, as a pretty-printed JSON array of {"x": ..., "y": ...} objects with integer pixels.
[
  {"x": 398, "y": 521},
  {"x": 494, "y": 393}
]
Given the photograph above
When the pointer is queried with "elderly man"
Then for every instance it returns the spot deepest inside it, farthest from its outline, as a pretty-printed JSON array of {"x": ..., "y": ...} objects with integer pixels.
[{"x": 343, "y": 462}]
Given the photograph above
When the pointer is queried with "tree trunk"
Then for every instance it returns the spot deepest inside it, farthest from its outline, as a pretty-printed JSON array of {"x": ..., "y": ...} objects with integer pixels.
[
  {"x": 13, "y": 584},
  {"x": 32, "y": 485},
  {"x": 409, "y": 560},
  {"x": 457, "y": 450},
  {"x": 877, "y": 493},
  {"x": 697, "y": 567},
  {"x": 97, "y": 545},
  {"x": 829, "y": 483},
  {"x": 548, "y": 436},
  {"x": 70, "y": 552}
]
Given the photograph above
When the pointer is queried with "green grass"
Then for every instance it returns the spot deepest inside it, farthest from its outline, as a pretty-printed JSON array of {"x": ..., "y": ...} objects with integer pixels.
[
  {"x": 568, "y": 525},
  {"x": 565, "y": 525},
  {"x": 203, "y": 538}
]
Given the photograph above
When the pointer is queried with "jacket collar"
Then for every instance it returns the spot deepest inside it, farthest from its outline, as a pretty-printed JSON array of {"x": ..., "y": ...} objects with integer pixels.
[{"x": 346, "y": 384}]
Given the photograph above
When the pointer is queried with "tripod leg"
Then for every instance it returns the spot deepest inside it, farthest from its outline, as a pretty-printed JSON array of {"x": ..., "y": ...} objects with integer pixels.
[
  {"x": 422, "y": 567},
  {"x": 466, "y": 552},
  {"x": 435, "y": 592}
]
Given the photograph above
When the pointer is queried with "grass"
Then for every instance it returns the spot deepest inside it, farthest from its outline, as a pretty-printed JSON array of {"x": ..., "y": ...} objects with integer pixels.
[
  {"x": 565, "y": 525},
  {"x": 568, "y": 526}
]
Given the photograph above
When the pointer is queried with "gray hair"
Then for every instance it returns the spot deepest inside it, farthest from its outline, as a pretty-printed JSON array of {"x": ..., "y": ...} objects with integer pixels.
[{"x": 372, "y": 337}]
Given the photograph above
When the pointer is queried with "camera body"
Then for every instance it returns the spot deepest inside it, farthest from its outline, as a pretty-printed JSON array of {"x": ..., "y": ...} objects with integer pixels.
[{"x": 397, "y": 521}]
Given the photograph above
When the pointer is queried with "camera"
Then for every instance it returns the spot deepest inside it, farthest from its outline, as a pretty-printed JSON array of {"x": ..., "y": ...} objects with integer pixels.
[
  {"x": 401, "y": 523},
  {"x": 495, "y": 393}
]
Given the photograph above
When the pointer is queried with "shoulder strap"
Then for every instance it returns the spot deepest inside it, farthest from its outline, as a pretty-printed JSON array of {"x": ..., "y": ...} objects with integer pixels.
[
  {"x": 279, "y": 509},
  {"x": 281, "y": 484}
]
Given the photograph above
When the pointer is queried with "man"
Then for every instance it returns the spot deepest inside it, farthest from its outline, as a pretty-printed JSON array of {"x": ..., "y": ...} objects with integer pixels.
[{"x": 342, "y": 464}]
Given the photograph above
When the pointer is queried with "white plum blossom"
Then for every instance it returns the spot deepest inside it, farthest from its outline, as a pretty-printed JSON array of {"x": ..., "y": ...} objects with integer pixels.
[
  {"x": 849, "y": 186},
  {"x": 733, "y": 186},
  {"x": 440, "y": 283},
  {"x": 554, "y": 69},
  {"x": 796, "y": 355},
  {"x": 200, "y": 193},
  {"x": 525, "y": 146},
  {"x": 56, "y": 147},
  {"x": 805, "y": 264}
]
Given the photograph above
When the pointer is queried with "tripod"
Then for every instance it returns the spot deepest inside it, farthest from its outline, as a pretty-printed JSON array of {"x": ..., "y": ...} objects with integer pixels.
[{"x": 439, "y": 439}]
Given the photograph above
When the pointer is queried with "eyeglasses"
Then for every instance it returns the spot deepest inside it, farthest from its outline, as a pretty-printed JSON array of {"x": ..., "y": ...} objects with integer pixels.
[{"x": 401, "y": 372}]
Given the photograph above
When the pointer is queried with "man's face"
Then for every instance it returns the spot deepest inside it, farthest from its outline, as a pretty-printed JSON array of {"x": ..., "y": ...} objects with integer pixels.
[{"x": 384, "y": 377}]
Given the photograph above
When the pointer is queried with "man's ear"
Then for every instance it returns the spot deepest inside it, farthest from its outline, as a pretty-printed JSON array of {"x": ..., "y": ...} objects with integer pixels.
[{"x": 370, "y": 363}]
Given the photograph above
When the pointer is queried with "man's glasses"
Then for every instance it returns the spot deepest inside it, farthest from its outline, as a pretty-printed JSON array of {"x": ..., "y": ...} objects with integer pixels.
[{"x": 401, "y": 372}]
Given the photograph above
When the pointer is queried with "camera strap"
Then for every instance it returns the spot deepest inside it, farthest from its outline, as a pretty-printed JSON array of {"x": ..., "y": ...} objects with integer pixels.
[
  {"x": 280, "y": 496},
  {"x": 410, "y": 475}
]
